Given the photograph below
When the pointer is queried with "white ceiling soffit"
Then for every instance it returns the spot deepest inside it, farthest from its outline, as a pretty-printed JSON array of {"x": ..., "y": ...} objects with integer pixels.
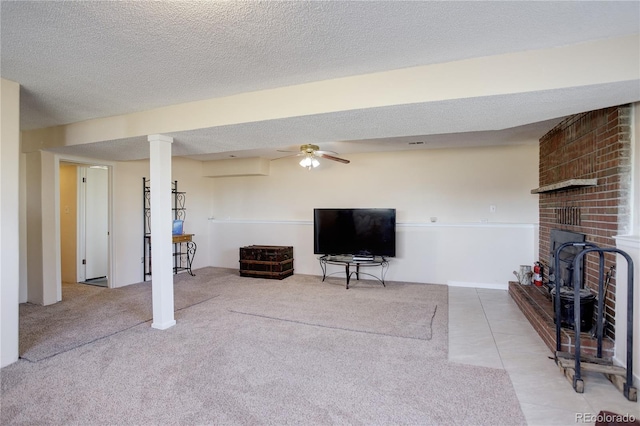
[
  {"x": 86, "y": 59},
  {"x": 452, "y": 123}
]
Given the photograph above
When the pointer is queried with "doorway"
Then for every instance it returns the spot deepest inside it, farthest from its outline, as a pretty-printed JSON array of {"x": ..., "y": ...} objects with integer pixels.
[
  {"x": 94, "y": 184},
  {"x": 84, "y": 205}
]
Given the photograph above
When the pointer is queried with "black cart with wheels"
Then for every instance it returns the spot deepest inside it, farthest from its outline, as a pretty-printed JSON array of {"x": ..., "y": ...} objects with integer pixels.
[{"x": 572, "y": 365}]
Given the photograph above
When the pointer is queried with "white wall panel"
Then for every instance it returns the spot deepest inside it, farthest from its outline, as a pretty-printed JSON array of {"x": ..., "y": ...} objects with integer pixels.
[
  {"x": 128, "y": 218},
  {"x": 467, "y": 243},
  {"x": 454, "y": 185},
  {"x": 482, "y": 255},
  {"x": 631, "y": 246}
]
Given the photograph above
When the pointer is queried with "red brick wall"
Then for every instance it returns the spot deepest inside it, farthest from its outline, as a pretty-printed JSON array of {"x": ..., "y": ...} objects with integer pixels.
[{"x": 593, "y": 144}]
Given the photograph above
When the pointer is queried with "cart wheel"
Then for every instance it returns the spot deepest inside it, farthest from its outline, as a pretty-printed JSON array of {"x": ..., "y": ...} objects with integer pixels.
[
  {"x": 578, "y": 385},
  {"x": 631, "y": 394}
]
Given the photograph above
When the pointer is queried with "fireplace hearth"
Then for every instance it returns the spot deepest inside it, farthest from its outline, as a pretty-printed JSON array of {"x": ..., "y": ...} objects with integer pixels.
[{"x": 535, "y": 304}]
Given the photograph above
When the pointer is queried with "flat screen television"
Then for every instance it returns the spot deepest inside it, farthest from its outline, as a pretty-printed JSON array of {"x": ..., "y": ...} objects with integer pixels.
[{"x": 361, "y": 232}]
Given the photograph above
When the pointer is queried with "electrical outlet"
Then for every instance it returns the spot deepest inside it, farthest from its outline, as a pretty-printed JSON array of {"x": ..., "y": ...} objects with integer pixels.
[{"x": 492, "y": 208}]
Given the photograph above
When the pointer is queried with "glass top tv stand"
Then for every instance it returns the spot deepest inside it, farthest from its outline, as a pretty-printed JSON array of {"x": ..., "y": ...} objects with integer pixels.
[{"x": 349, "y": 261}]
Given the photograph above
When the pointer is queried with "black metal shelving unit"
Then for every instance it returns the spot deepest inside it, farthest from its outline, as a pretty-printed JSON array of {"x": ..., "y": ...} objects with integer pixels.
[{"x": 179, "y": 212}]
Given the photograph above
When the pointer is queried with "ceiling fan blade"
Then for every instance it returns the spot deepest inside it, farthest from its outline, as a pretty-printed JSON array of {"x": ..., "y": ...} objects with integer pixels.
[
  {"x": 318, "y": 152},
  {"x": 286, "y": 156},
  {"x": 331, "y": 157}
]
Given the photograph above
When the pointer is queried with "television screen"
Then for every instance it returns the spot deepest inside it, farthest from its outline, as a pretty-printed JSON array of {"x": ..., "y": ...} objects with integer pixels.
[{"x": 364, "y": 232}]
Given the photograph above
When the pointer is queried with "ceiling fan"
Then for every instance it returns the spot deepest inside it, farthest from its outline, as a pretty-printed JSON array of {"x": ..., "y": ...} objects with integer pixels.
[{"x": 311, "y": 153}]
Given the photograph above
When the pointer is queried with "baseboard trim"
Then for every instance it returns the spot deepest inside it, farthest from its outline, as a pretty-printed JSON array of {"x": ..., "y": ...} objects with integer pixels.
[
  {"x": 486, "y": 286},
  {"x": 398, "y": 224},
  {"x": 636, "y": 377}
]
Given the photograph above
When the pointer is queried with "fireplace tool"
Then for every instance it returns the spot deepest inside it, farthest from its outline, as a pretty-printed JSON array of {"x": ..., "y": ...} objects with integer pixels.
[{"x": 607, "y": 280}]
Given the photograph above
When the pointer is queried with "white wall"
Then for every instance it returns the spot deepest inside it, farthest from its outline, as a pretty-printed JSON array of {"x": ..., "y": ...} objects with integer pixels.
[
  {"x": 631, "y": 245},
  {"x": 43, "y": 237},
  {"x": 635, "y": 170},
  {"x": 473, "y": 254},
  {"x": 9, "y": 214},
  {"x": 454, "y": 185},
  {"x": 128, "y": 216},
  {"x": 466, "y": 244}
]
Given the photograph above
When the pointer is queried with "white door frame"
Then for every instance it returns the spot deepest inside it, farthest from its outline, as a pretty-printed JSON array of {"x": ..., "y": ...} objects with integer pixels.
[
  {"x": 86, "y": 162},
  {"x": 81, "y": 223}
]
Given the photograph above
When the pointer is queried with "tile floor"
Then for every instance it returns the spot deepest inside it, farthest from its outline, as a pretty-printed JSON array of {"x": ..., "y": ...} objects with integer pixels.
[{"x": 487, "y": 328}]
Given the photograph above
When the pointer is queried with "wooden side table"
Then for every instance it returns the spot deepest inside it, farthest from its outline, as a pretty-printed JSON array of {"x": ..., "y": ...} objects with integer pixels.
[{"x": 180, "y": 255}]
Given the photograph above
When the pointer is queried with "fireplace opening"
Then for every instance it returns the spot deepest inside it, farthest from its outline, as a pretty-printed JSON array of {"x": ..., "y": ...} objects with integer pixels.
[
  {"x": 561, "y": 281},
  {"x": 564, "y": 276}
]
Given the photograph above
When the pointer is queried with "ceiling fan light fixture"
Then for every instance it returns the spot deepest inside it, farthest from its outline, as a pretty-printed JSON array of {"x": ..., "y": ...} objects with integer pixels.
[
  {"x": 309, "y": 162},
  {"x": 311, "y": 155}
]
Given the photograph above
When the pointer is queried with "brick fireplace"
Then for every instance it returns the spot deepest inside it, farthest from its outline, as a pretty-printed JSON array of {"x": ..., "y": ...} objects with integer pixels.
[{"x": 585, "y": 187}]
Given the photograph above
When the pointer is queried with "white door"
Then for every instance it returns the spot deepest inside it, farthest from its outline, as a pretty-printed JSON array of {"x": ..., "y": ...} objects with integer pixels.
[{"x": 96, "y": 222}]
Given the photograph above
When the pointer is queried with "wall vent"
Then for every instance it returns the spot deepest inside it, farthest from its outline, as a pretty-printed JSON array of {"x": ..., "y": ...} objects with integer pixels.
[{"x": 568, "y": 215}]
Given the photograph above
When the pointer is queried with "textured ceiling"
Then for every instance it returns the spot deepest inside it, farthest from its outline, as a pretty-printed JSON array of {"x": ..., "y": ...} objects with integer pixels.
[{"x": 88, "y": 59}]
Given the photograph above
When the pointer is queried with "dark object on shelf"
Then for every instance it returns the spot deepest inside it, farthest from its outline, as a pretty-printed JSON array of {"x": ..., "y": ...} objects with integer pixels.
[{"x": 273, "y": 262}]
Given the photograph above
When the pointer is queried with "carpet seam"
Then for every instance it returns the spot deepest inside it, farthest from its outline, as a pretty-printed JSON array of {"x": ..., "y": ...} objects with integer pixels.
[
  {"x": 344, "y": 328},
  {"x": 109, "y": 335},
  {"x": 86, "y": 343}
]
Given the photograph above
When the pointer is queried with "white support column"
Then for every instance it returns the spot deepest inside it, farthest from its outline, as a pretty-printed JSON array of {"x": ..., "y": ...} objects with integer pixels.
[
  {"x": 10, "y": 219},
  {"x": 161, "y": 226}
]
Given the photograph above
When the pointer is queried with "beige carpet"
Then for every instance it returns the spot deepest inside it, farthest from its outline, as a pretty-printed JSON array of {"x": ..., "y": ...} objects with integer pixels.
[{"x": 249, "y": 351}]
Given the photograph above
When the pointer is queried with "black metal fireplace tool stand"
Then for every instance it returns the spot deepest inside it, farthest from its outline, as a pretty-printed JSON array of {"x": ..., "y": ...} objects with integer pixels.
[{"x": 572, "y": 365}]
